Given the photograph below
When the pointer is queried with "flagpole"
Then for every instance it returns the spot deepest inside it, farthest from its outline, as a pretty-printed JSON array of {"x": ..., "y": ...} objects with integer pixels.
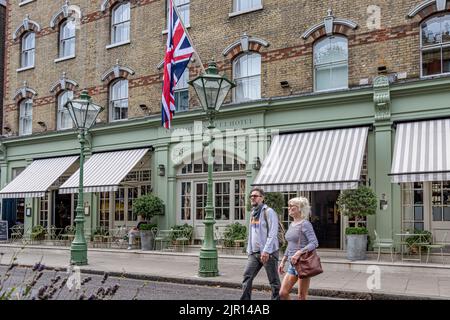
[{"x": 188, "y": 36}]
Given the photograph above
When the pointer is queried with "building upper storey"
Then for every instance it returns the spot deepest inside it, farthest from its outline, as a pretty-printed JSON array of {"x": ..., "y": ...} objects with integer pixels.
[{"x": 270, "y": 48}]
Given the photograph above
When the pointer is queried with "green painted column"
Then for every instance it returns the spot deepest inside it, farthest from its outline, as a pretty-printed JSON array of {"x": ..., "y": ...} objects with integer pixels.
[
  {"x": 383, "y": 158},
  {"x": 160, "y": 184}
]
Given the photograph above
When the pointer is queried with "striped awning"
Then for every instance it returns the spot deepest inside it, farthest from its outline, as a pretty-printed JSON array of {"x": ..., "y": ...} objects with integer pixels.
[
  {"x": 317, "y": 160},
  {"x": 35, "y": 180},
  {"x": 421, "y": 151},
  {"x": 104, "y": 171}
]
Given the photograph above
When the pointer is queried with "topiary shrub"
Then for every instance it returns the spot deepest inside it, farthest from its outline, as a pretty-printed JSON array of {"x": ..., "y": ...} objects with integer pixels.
[
  {"x": 148, "y": 206},
  {"x": 357, "y": 203}
]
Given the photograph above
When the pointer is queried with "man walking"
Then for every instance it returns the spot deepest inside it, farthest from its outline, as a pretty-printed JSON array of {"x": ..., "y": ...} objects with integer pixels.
[{"x": 262, "y": 245}]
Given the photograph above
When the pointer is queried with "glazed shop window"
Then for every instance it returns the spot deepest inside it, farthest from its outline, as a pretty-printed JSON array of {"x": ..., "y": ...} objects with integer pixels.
[
  {"x": 247, "y": 76},
  {"x": 221, "y": 164},
  {"x": 119, "y": 100},
  {"x": 186, "y": 195},
  {"x": 67, "y": 39},
  {"x": 201, "y": 193},
  {"x": 120, "y": 26},
  {"x": 330, "y": 64},
  {"x": 246, "y": 5},
  {"x": 183, "y": 8},
  {"x": 239, "y": 199},
  {"x": 412, "y": 206},
  {"x": 440, "y": 200},
  {"x": 28, "y": 50},
  {"x": 44, "y": 211},
  {"x": 222, "y": 200},
  {"x": 181, "y": 92},
  {"x": 64, "y": 119},
  {"x": 25, "y": 117},
  {"x": 435, "y": 45}
]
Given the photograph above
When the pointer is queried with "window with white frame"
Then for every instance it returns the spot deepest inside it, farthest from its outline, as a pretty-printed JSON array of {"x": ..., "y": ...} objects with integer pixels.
[
  {"x": 25, "y": 117},
  {"x": 120, "y": 24},
  {"x": 181, "y": 92},
  {"x": 183, "y": 9},
  {"x": 440, "y": 200},
  {"x": 119, "y": 100},
  {"x": 246, "y": 5},
  {"x": 229, "y": 194},
  {"x": 67, "y": 39},
  {"x": 247, "y": 76},
  {"x": 64, "y": 119},
  {"x": 28, "y": 50},
  {"x": 412, "y": 206},
  {"x": 331, "y": 63},
  {"x": 435, "y": 45},
  {"x": 44, "y": 204}
]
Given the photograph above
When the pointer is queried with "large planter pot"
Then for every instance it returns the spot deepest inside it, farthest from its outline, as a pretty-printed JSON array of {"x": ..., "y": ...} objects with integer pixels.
[
  {"x": 356, "y": 246},
  {"x": 147, "y": 240}
]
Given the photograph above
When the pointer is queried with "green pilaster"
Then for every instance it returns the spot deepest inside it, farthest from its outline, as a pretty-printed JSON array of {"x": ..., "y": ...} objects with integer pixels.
[
  {"x": 383, "y": 156},
  {"x": 160, "y": 184}
]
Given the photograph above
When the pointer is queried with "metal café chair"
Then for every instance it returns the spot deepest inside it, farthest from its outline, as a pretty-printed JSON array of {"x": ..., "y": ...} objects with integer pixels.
[
  {"x": 163, "y": 236},
  {"x": 183, "y": 237},
  {"x": 378, "y": 243},
  {"x": 17, "y": 232},
  {"x": 437, "y": 245}
]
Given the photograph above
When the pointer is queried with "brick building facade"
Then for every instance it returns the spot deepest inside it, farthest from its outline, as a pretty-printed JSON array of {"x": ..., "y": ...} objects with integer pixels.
[{"x": 287, "y": 56}]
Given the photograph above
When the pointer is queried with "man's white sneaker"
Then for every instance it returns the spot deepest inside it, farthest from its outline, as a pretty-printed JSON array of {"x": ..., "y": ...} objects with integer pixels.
[{"x": 129, "y": 248}]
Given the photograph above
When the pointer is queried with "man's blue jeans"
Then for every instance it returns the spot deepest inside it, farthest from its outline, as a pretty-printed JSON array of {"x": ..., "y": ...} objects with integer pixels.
[{"x": 254, "y": 264}]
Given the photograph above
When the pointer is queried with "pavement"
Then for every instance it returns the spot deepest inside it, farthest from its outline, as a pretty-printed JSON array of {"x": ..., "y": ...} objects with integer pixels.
[{"x": 368, "y": 279}]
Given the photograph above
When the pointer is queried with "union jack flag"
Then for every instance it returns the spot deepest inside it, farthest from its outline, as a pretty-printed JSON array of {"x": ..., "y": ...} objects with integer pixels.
[{"x": 178, "y": 53}]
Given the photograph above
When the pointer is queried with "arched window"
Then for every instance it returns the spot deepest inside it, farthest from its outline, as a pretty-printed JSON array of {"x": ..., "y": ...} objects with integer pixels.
[
  {"x": 120, "y": 24},
  {"x": 331, "y": 63},
  {"x": 28, "y": 48},
  {"x": 64, "y": 120},
  {"x": 247, "y": 76},
  {"x": 119, "y": 100},
  {"x": 435, "y": 45},
  {"x": 25, "y": 117},
  {"x": 67, "y": 39}
]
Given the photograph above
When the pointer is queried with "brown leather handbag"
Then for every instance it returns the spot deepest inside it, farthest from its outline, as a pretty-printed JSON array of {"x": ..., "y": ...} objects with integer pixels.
[{"x": 309, "y": 263}]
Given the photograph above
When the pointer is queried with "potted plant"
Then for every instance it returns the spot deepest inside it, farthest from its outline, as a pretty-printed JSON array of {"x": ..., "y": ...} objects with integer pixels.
[
  {"x": 234, "y": 235},
  {"x": 147, "y": 206},
  {"x": 357, "y": 203},
  {"x": 414, "y": 242}
]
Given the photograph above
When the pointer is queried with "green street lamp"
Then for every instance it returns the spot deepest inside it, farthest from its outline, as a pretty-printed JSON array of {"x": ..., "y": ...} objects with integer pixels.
[
  {"x": 83, "y": 113},
  {"x": 211, "y": 89}
]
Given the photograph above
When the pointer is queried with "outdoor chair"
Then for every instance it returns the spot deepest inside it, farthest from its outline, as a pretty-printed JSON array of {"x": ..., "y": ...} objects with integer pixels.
[
  {"x": 119, "y": 236},
  {"x": 38, "y": 233},
  {"x": 437, "y": 245},
  {"x": 17, "y": 232},
  {"x": 68, "y": 235},
  {"x": 163, "y": 236},
  {"x": 383, "y": 244},
  {"x": 183, "y": 237}
]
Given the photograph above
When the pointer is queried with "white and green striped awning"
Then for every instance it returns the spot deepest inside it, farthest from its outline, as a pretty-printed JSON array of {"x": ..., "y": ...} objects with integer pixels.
[
  {"x": 316, "y": 160},
  {"x": 421, "y": 151},
  {"x": 35, "y": 180},
  {"x": 104, "y": 172}
]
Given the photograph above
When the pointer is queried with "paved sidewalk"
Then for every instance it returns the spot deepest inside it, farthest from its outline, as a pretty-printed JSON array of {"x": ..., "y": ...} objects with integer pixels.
[{"x": 341, "y": 278}]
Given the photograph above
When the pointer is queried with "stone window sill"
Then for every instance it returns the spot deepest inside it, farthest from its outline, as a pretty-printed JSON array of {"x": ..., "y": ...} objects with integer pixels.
[
  {"x": 25, "y": 68},
  {"x": 64, "y": 58},
  {"x": 25, "y": 2}
]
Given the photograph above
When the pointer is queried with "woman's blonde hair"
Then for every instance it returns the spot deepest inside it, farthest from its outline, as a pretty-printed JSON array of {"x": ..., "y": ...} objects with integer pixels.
[{"x": 303, "y": 205}]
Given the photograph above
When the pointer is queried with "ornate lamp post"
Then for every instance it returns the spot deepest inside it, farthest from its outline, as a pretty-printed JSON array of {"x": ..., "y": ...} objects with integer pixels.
[
  {"x": 83, "y": 113},
  {"x": 211, "y": 89}
]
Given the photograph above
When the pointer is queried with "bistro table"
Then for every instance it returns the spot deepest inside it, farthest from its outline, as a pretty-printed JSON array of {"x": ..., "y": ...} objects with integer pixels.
[{"x": 407, "y": 246}]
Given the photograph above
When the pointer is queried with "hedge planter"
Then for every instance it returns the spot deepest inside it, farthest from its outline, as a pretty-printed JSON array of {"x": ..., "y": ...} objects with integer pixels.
[
  {"x": 356, "y": 246},
  {"x": 147, "y": 240}
]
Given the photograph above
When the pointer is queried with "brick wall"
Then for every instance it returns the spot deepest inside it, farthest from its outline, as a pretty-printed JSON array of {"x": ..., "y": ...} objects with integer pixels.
[{"x": 281, "y": 23}]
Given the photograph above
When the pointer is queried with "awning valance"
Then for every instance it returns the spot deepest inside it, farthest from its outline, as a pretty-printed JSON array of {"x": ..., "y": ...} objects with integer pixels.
[
  {"x": 35, "y": 180},
  {"x": 317, "y": 160},
  {"x": 104, "y": 171},
  {"x": 421, "y": 151}
]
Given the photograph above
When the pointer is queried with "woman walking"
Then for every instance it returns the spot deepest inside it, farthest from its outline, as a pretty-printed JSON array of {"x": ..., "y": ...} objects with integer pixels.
[{"x": 301, "y": 239}]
